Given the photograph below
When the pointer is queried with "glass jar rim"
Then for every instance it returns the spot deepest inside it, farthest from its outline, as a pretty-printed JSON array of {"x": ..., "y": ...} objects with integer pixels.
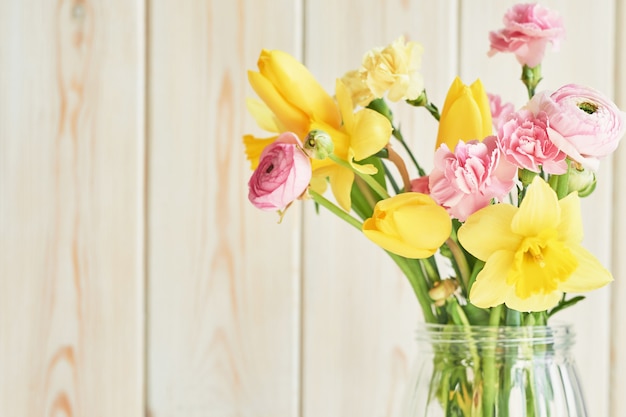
[{"x": 556, "y": 333}]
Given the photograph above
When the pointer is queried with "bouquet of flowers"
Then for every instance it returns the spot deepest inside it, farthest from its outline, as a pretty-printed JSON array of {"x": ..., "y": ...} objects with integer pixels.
[{"x": 500, "y": 206}]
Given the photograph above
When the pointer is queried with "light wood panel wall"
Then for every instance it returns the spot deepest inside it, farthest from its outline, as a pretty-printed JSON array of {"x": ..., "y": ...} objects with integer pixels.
[{"x": 135, "y": 277}]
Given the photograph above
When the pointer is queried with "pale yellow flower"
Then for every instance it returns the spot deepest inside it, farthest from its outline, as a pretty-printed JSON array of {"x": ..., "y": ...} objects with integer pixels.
[
  {"x": 393, "y": 70},
  {"x": 533, "y": 253}
]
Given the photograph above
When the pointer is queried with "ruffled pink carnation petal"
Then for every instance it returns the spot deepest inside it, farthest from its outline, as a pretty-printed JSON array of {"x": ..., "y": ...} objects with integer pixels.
[
  {"x": 525, "y": 142},
  {"x": 528, "y": 28},
  {"x": 468, "y": 179}
]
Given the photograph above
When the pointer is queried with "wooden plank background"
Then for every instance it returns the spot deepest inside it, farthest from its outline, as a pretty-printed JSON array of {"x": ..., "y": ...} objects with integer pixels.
[{"x": 135, "y": 277}]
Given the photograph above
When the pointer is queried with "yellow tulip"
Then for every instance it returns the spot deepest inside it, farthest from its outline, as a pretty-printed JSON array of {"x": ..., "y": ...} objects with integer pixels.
[
  {"x": 465, "y": 116},
  {"x": 409, "y": 224},
  {"x": 292, "y": 93}
]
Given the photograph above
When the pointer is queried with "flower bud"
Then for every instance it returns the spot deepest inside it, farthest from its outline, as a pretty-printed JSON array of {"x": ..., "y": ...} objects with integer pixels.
[
  {"x": 581, "y": 179},
  {"x": 442, "y": 290},
  {"x": 318, "y": 144}
]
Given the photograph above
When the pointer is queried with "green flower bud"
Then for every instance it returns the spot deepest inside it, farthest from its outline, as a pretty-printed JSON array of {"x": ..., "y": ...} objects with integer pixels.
[
  {"x": 318, "y": 144},
  {"x": 526, "y": 176},
  {"x": 581, "y": 179}
]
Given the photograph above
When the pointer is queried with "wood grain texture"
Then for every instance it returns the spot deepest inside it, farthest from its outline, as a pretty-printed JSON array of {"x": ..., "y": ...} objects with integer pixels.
[
  {"x": 617, "y": 363},
  {"x": 500, "y": 74},
  {"x": 359, "y": 311},
  {"x": 71, "y": 199},
  {"x": 223, "y": 276}
]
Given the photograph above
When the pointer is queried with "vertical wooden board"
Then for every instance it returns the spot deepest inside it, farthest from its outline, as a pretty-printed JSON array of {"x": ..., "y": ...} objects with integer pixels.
[
  {"x": 223, "y": 276},
  {"x": 618, "y": 287},
  {"x": 571, "y": 64},
  {"x": 71, "y": 200},
  {"x": 359, "y": 312}
]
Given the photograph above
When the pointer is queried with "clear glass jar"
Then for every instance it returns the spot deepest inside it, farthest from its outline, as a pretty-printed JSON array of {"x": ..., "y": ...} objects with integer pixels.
[{"x": 481, "y": 371}]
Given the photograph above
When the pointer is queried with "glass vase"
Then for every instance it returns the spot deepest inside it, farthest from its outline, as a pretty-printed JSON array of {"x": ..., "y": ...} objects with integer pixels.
[{"x": 481, "y": 371}]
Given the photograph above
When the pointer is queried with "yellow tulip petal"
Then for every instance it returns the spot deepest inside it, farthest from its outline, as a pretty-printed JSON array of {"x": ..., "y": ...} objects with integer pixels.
[
  {"x": 538, "y": 211},
  {"x": 490, "y": 288},
  {"x": 494, "y": 220},
  {"x": 254, "y": 148},
  {"x": 371, "y": 133},
  {"x": 482, "y": 101},
  {"x": 589, "y": 275},
  {"x": 538, "y": 302},
  {"x": 296, "y": 85},
  {"x": 463, "y": 121},
  {"x": 455, "y": 90},
  {"x": 424, "y": 226},
  {"x": 571, "y": 226},
  {"x": 394, "y": 245},
  {"x": 291, "y": 117}
]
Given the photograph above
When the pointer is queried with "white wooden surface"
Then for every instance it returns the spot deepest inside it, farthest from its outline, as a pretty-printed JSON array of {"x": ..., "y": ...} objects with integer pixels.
[
  {"x": 126, "y": 237},
  {"x": 72, "y": 137}
]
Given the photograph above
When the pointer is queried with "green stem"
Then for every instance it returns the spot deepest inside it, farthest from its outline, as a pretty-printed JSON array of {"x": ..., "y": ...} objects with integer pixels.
[
  {"x": 414, "y": 274},
  {"x": 333, "y": 208},
  {"x": 461, "y": 262},
  {"x": 490, "y": 391},
  {"x": 398, "y": 135},
  {"x": 375, "y": 186}
]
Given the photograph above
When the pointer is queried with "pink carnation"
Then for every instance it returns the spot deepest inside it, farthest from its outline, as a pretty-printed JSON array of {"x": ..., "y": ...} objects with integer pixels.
[
  {"x": 283, "y": 174},
  {"x": 583, "y": 123},
  {"x": 420, "y": 185},
  {"x": 528, "y": 28},
  {"x": 523, "y": 139},
  {"x": 466, "y": 180},
  {"x": 499, "y": 110}
]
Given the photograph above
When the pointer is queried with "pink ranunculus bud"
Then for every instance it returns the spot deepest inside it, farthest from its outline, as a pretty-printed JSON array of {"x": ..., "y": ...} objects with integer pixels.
[
  {"x": 468, "y": 179},
  {"x": 523, "y": 140},
  {"x": 499, "y": 110},
  {"x": 582, "y": 122},
  {"x": 420, "y": 185},
  {"x": 283, "y": 174},
  {"x": 528, "y": 28}
]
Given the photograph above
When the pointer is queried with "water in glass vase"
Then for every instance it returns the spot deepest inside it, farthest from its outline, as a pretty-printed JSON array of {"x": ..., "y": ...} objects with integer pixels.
[{"x": 482, "y": 371}]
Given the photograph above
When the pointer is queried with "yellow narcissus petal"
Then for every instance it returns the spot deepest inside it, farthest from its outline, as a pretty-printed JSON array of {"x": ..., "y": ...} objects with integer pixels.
[
  {"x": 536, "y": 302},
  {"x": 490, "y": 287},
  {"x": 465, "y": 116},
  {"x": 254, "y": 148},
  {"x": 589, "y": 275},
  {"x": 340, "y": 180},
  {"x": 496, "y": 218},
  {"x": 371, "y": 133},
  {"x": 264, "y": 117},
  {"x": 538, "y": 211},
  {"x": 295, "y": 83},
  {"x": 571, "y": 226},
  {"x": 409, "y": 224}
]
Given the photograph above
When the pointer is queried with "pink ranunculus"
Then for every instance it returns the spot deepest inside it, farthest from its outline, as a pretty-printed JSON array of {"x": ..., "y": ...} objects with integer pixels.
[
  {"x": 283, "y": 174},
  {"x": 523, "y": 140},
  {"x": 583, "y": 123},
  {"x": 528, "y": 28},
  {"x": 420, "y": 185},
  {"x": 499, "y": 110},
  {"x": 466, "y": 180}
]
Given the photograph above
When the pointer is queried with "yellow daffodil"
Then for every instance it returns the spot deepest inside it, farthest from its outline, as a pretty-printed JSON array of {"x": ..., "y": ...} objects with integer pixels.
[
  {"x": 532, "y": 253},
  {"x": 409, "y": 224},
  {"x": 465, "y": 116},
  {"x": 363, "y": 134}
]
